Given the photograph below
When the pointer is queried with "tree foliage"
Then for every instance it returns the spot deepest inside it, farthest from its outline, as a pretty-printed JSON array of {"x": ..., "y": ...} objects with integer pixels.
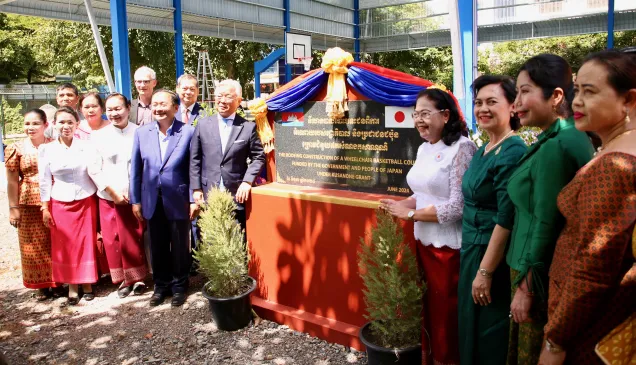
[
  {"x": 434, "y": 64},
  {"x": 12, "y": 117},
  {"x": 392, "y": 293},
  {"x": 16, "y": 57}
]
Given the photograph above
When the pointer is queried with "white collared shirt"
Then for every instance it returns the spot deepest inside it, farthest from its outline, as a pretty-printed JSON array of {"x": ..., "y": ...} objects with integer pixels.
[
  {"x": 164, "y": 139},
  {"x": 111, "y": 166},
  {"x": 69, "y": 167}
]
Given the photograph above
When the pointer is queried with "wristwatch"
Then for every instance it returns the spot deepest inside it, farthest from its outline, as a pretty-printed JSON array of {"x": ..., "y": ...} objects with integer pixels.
[
  {"x": 552, "y": 347},
  {"x": 411, "y": 214},
  {"x": 485, "y": 273}
]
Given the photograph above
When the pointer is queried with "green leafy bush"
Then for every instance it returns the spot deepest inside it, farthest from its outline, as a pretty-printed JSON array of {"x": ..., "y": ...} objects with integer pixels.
[
  {"x": 222, "y": 253},
  {"x": 392, "y": 294},
  {"x": 12, "y": 118}
]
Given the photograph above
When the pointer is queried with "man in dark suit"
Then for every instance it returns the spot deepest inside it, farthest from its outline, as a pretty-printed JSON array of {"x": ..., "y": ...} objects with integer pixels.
[
  {"x": 145, "y": 82},
  {"x": 159, "y": 193},
  {"x": 188, "y": 90},
  {"x": 221, "y": 147}
]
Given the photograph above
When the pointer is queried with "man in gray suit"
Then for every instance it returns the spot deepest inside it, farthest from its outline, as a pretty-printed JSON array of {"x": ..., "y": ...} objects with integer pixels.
[
  {"x": 225, "y": 150},
  {"x": 145, "y": 82}
]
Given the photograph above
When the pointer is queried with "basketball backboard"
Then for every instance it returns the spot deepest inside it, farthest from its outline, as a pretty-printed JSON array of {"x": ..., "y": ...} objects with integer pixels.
[{"x": 297, "y": 46}]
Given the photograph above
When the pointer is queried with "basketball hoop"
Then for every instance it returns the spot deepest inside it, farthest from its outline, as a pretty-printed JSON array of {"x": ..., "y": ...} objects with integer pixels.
[{"x": 306, "y": 61}]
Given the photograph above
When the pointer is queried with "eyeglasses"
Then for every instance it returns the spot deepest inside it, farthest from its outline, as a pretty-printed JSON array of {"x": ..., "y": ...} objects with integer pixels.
[
  {"x": 142, "y": 82},
  {"x": 426, "y": 115},
  {"x": 225, "y": 97}
]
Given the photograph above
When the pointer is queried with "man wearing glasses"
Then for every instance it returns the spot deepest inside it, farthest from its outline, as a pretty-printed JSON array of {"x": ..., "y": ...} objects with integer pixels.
[
  {"x": 188, "y": 90},
  {"x": 221, "y": 147},
  {"x": 145, "y": 82}
]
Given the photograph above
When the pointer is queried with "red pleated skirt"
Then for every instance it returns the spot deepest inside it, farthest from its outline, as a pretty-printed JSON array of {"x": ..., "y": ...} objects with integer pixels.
[
  {"x": 440, "y": 329},
  {"x": 122, "y": 235},
  {"x": 73, "y": 239}
]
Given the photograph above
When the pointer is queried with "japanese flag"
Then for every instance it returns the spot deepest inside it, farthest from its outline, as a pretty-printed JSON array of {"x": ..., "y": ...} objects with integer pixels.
[{"x": 398, "y": 117}]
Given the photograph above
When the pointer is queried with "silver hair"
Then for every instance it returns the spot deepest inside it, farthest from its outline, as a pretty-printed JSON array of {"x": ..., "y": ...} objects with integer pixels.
[
  {"x": 187, "y": 77},
  {"x": 153, "y": 74},
  {"x": 233, "y": 84}
]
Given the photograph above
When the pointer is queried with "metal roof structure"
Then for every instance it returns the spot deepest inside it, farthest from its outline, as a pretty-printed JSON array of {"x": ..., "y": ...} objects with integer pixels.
[{"x": 332, "y": 22}]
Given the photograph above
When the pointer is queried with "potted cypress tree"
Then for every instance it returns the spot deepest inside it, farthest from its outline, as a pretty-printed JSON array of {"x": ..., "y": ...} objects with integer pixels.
[
  {"x": 392, "y": 294},
  {"x": 223, "y": 260}
]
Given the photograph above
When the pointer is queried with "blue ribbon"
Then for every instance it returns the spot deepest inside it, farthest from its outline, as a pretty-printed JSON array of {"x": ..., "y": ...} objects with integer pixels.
[
  {"x": 381, "y": 89},
  {"x": 298, "y": 94}
]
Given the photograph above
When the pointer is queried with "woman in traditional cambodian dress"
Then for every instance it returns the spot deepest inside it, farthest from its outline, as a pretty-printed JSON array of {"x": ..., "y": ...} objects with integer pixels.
[
  {"x": 484, "y": 278},
  {"x": 21, "y": 162},
  {"x": 91, "y": 106},
  {"x": 436, "y": 207},
  {"x": 121, "y": 231},
  {"x": 543, "y": 101},
  {"x": 593, "y": 276},
  {"x": 69, "y": 207}
]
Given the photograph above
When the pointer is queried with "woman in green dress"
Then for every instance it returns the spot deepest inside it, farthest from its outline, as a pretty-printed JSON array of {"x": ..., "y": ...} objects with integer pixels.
[
  {"x": 484, "y": 278},
  {"x": 544, "y": 99}
]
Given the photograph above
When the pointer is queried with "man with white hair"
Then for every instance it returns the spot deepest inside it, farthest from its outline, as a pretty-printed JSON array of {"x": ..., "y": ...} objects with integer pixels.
[
  {"x": 188, "y": 91},
  {"x": 145, "y": 82},
  {"x": 221, "y": 147}
]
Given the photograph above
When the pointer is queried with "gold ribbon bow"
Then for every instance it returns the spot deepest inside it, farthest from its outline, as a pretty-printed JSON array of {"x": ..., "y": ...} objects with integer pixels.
[
  {"x": 335, "y": 62},
  {"x": 259, "y": 110}
]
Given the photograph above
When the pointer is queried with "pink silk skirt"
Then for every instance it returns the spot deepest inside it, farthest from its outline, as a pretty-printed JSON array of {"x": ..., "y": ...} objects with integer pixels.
[
  {"x": 122, "y": 235},
  {"x": 73, "y": 240}
]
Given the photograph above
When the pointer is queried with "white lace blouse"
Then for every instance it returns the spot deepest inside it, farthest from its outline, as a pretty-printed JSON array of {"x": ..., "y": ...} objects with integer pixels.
[{"x": 436, "y": 179}]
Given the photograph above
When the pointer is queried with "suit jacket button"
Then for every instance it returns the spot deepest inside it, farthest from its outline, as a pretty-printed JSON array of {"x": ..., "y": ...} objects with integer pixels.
[{"x": 221, "y": 166}]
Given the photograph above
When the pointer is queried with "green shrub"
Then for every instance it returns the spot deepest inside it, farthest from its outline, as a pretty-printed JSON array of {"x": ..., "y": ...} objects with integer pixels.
[
  {"x": 222, "y": 253},
  {"x": 12, "y": 118},
  {"x": 392, "y": 293}
]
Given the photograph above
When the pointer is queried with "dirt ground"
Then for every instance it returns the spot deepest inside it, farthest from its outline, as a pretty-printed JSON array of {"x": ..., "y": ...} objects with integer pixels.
[{"x": 110, "y": 330}]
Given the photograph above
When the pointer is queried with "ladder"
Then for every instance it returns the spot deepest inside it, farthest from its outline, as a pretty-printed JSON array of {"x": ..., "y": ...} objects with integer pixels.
[{"x": 205, "y": 77}]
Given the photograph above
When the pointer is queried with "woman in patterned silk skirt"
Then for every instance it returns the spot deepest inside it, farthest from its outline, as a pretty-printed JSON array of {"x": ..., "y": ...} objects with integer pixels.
[
  {"x": 544, "y": 101},
  {"x": 593, "y": 277},
  {"x": 21, "y": 161}
]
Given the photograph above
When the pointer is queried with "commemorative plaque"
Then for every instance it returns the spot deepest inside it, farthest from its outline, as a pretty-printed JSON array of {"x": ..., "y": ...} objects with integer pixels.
[{"x": 370, "y": 149}]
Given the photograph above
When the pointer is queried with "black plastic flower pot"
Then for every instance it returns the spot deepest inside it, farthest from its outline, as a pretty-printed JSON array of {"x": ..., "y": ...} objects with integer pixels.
[
  {"x": 231, "y": 314},
  {"x": 378, "y": 355}
]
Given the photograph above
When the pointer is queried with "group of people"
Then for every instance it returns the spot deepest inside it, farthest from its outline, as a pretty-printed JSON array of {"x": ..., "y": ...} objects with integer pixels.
[
  {"x": 116, "y": 188},
  {"x": 527, "y": 251}
]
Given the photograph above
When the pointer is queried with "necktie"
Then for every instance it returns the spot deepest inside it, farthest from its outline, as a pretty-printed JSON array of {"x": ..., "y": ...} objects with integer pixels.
[{"x": 186, "y": 116}]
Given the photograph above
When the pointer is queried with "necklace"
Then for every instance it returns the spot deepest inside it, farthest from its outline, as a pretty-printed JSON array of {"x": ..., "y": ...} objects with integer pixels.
[
  {"x": 604, "y": 146},
  {"x": 490, "y": 148}
]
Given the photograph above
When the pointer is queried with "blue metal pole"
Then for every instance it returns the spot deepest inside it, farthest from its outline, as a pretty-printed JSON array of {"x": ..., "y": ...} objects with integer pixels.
[
  {"x": 119, "y": 25},
  {"x": 467, "y": 25},
  {"x": 287, "y": 23},
  {"x": 264, "y": 64},
  {"x": 610, "y": 24},
  {"x": 178, "y": 37},
  {"x": 356, "y": 30}
]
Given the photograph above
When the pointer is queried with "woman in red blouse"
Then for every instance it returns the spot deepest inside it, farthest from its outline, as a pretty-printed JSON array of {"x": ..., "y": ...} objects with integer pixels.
[{"x": 593, "y": 276}]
